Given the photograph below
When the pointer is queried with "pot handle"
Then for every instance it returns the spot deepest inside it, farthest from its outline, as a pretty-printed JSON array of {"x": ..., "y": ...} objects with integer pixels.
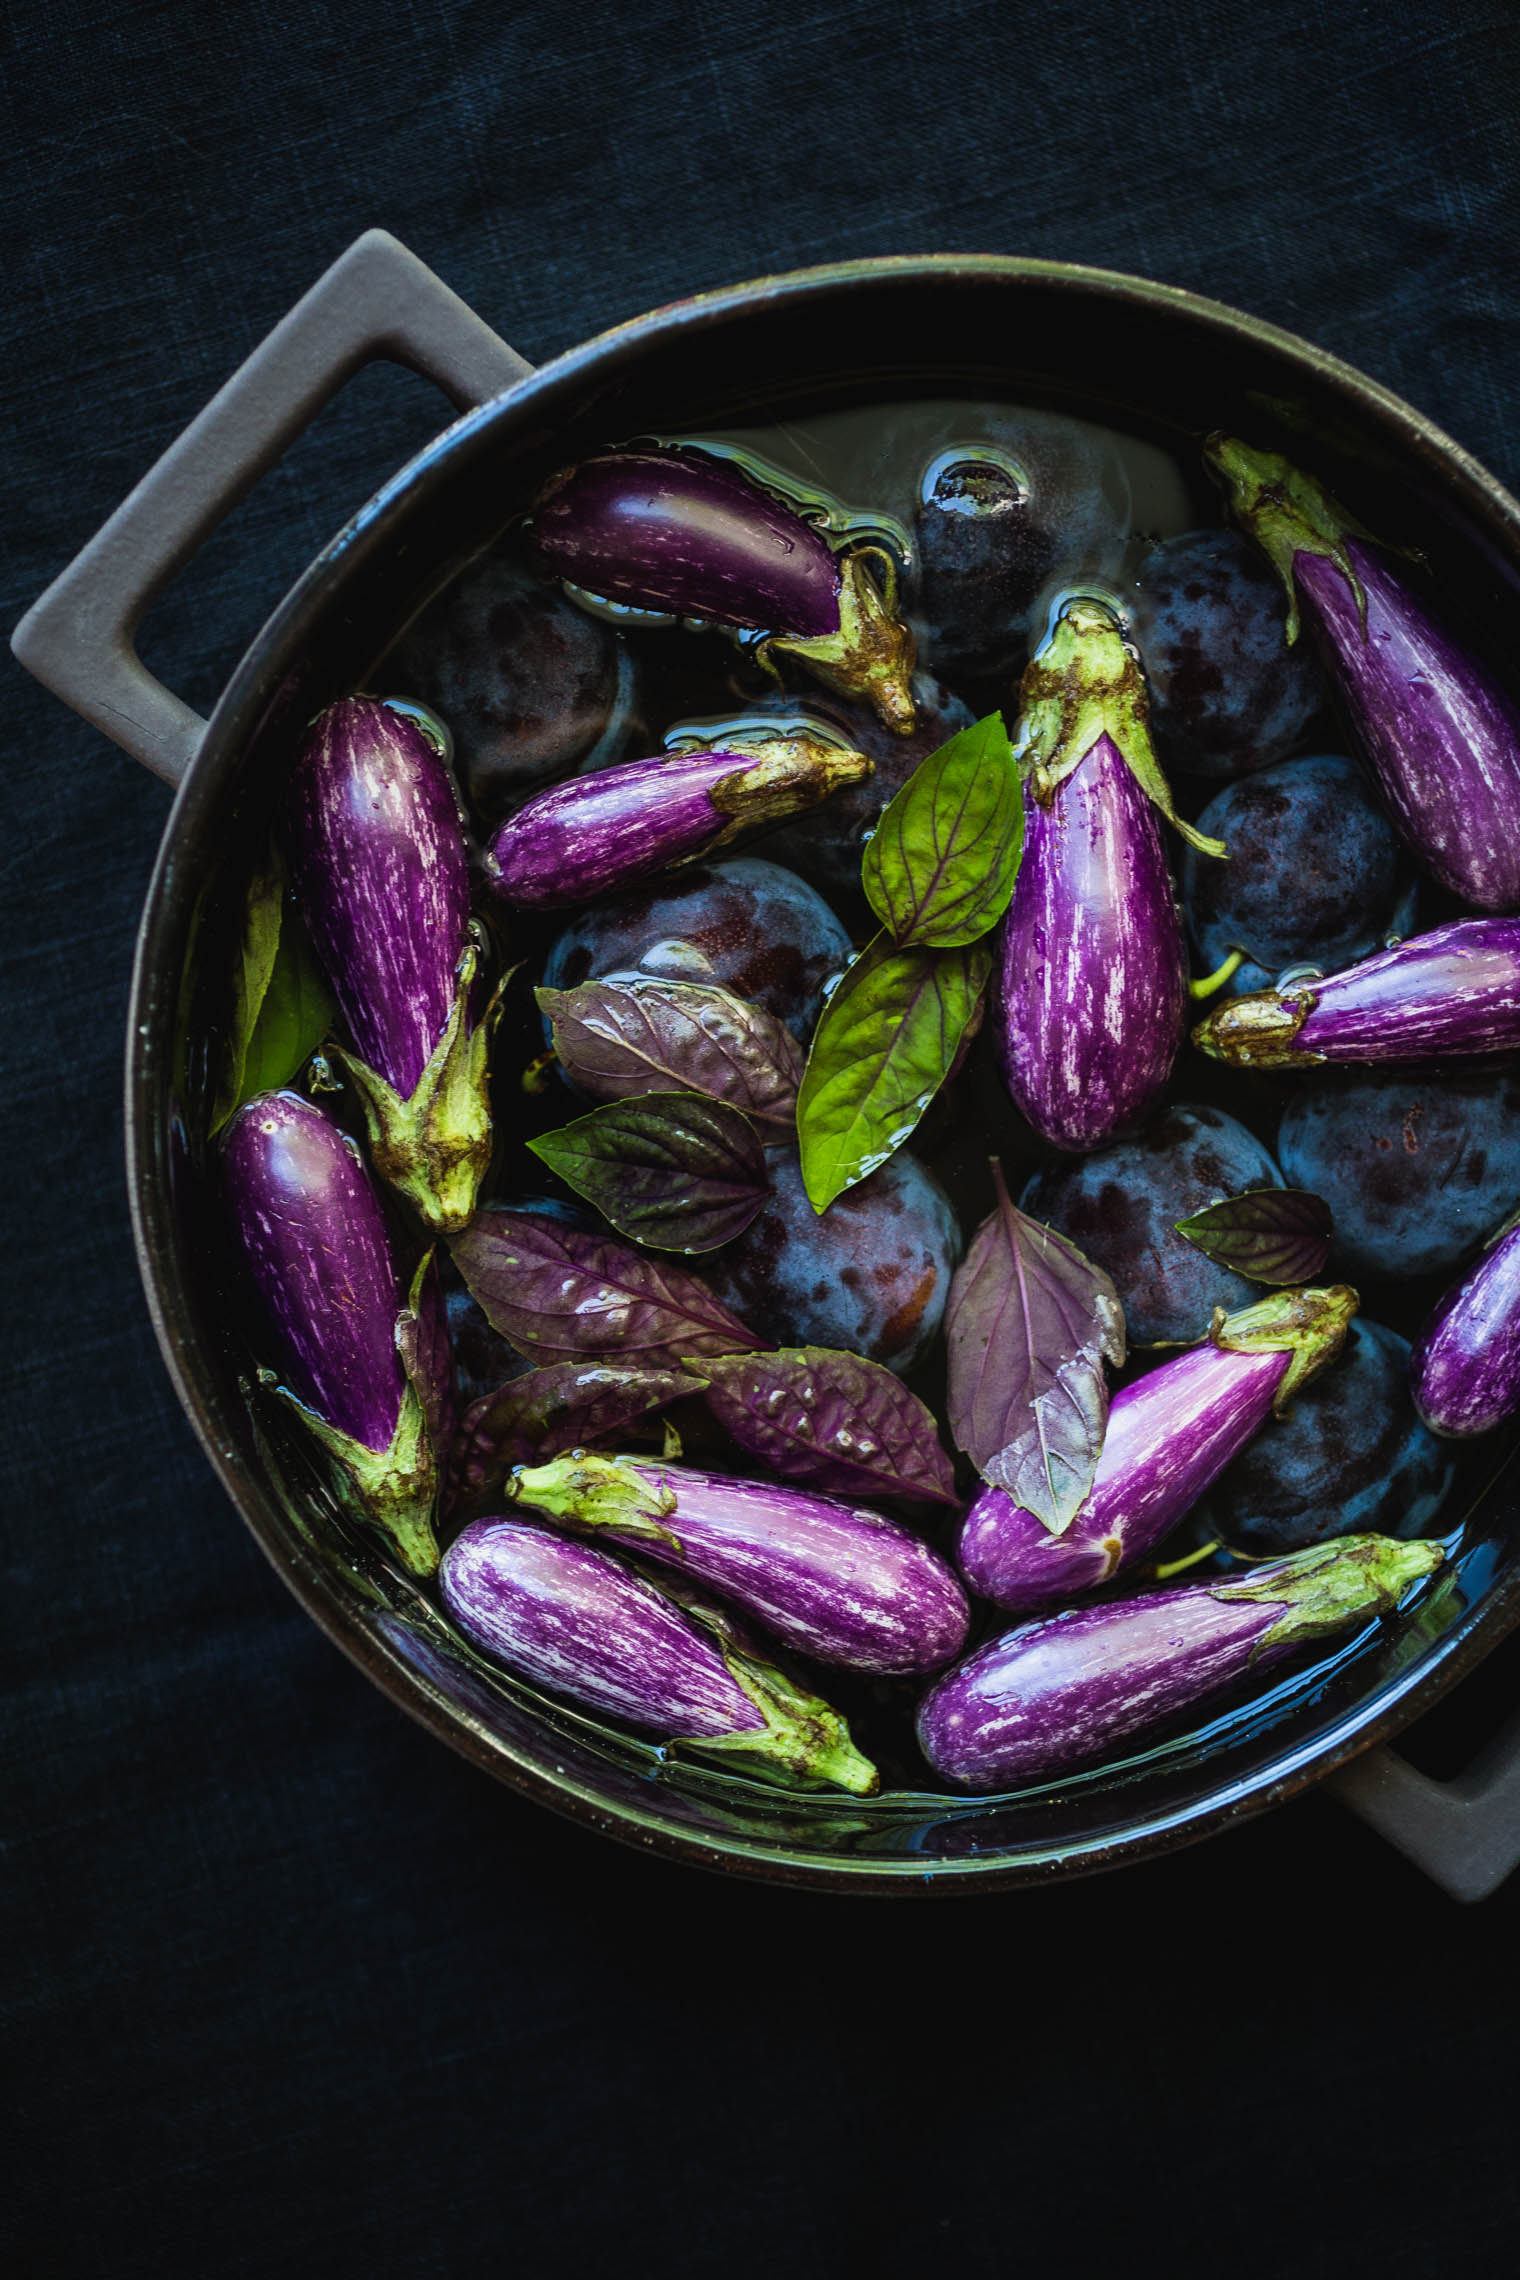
[
  {"x": 1465, "y": 1834},
  {"x": 377, "y": 300}
]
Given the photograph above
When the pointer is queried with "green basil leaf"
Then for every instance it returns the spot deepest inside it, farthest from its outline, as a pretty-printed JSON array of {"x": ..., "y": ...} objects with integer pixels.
[
  {"x": 262, "y": 914},
  {"x": 282, "y": 1007},
  {"x": 677, "y": 1171},
  {"x": 1274, "y": 1235},
  {"x": 296, "y": 1014},
  {"x": 941, "y": 863},
  {"x": 885, "y": 1044}
]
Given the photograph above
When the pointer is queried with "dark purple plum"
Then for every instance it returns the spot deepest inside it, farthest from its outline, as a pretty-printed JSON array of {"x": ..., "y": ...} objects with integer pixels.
[
  {"x": 1350, "y": 1458},
  {"x": 1227, "y": 693},
  {"x": 531, "y": 687},
  {"x": 760, "y": 930},
  {"x": 827, "y": 844},
  {"x": 1416, "y": 1169},
  {"x": 996, "y": 533},
  {"x": 870, "y": 1274},
  {"x": 1316, "y": 874},
  {"x": 984, "y": 552},
  {"x": 1121, "y": 1206}
]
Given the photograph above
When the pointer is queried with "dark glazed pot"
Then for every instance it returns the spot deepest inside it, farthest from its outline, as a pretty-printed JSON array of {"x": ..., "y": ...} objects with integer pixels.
[{"x": 1142, "y": 357}]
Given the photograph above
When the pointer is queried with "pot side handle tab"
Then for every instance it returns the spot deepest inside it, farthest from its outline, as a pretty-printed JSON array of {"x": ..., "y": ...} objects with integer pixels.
[
  {"x": 377, "y": 301},
  {"x": 1465, "y": 1833}
]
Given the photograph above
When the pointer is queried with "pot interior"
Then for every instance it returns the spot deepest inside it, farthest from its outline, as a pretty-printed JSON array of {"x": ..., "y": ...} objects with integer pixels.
[{"x": 1154, "y": 365}]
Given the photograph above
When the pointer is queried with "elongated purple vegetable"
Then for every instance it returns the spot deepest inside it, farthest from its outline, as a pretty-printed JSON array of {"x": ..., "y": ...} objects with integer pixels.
[
  {"x": 832, "y": 1580},
  {"x": 1059, "y": 1693},
  {"x": 1441, "y": 735},
  {"x": 1169, "y": 1435},
  {"x": 577, "y": 1622},
  {"x": 1455, "y": 990},
  {"x": 381, "y": 873},
  {"x": 1087, "y": 999},
  {"x": 673, "y": 528},
  {"x": 346, "y": 1340},
  {"x": 597, "y": 833},
  {"x": 1465, "y": 1368}
]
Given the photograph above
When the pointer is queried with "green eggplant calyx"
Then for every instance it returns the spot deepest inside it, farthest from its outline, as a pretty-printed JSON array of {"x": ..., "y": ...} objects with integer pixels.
[
  {"x": 1287, "y": 513},
  {"x": 1081, "y": 685},
  {"x": 1327, "y": 1588},
  {"x": 584, "y": 1490},
  {"x": 786, "y": 775},
  {"x": 1258, "y": 1031},
  {"x": 803, "y": 1743},
  {"x": 871, "y": 655},
  {"x": 1308, "y": 1325},
  {"x": 435, "y": 1148},
  {"x": 395, "y": 1489}
]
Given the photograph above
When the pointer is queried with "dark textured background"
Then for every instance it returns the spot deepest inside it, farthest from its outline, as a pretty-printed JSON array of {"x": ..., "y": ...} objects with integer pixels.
[{"x": 290, "y": 1987}]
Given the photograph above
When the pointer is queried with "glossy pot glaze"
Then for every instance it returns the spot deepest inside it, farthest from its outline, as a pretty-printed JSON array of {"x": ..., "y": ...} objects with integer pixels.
[{"x": 987, "y": 328}]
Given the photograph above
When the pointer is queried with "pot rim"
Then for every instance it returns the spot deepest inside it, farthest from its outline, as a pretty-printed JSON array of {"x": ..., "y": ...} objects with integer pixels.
[{"x": 241, "y": 703}]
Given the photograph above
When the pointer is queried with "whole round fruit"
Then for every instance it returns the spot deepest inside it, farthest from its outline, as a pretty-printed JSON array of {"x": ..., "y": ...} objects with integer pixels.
[
  {"x": 1417, "y": 1169},
  {"x": 1349, "y": 1458},
  {"x": 1121, "y": 1206},
  {"x": 1210, "y": 621},
  {"x": 998, "y": 531},
  {"x": 870, "y": 1274},
  {"x": 531, "y": 687},
  {"x": 760, "y": 930},
  {"x": 1315, "y": 874}
]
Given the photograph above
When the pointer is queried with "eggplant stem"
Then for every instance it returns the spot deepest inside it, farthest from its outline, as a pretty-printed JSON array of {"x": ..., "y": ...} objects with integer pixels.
[
  {"x": 1168, "y": 1568},
  {"x": 889, "y": 569},
  {"x": 1205, "y": 985}
]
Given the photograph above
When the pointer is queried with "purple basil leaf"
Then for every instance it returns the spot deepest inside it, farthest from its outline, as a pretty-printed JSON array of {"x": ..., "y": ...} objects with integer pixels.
[
  {"x": 841, "y": 1423},
  {"x": 674, "y": 1170},
  {"x": 619, "y": 1038},
  {"x": 559, "y": 1294},
  {"x": 1274, "y": 1235},
  {"x": 566, "y": 1406},
  {"x": 1029, "y": 1325}
]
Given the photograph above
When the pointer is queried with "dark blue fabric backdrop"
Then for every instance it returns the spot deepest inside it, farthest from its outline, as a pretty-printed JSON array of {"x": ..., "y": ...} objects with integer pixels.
[{"x": 290, "y": 1987}]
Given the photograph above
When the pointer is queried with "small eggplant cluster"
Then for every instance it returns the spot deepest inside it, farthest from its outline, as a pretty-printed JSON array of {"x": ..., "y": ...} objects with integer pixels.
[{"x": 750, "y": 1070}]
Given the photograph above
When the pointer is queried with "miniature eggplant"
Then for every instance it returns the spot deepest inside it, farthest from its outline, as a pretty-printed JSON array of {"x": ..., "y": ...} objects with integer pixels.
[
  {"x": 598, "y": 833},
  {"x": 1056, "y": 1694},
  {"x": 358, "y": 1360},
  {"x": 381, "y": 873},
  {"x": 1088, "y": 996},
  {"x": 1465, "y": 1368},
  {"x": 1453, "y": 991},
  {"x": 1442, "y": 737},
  {"x": 576, "y": 1621},
  {"x": 833, "y": 1581},
  {"x": 1170, "y": 1434},
  {"x": 674, "y": 528}
]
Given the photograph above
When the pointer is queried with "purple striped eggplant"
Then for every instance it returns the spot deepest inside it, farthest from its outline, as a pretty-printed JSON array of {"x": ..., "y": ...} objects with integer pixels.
[
  {"x": 1465, "y": 1368},
  {"x": 598, "y": 833},
  {"x": 1059, "y": 1693},
  {"x": 355, "y": 1358},
  {"x": 1453, "y": 991},
  {"x": 576, "y": 1622},
  {"x": 1442, "y": 737},
  {"x": 1088, "y": 995},
  {"x": 1170, "y": 1434},
  {"x": 380, "y": 869},
  {"x": 831, "y": 1580},
  {"x": 669, "y": 527}
]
